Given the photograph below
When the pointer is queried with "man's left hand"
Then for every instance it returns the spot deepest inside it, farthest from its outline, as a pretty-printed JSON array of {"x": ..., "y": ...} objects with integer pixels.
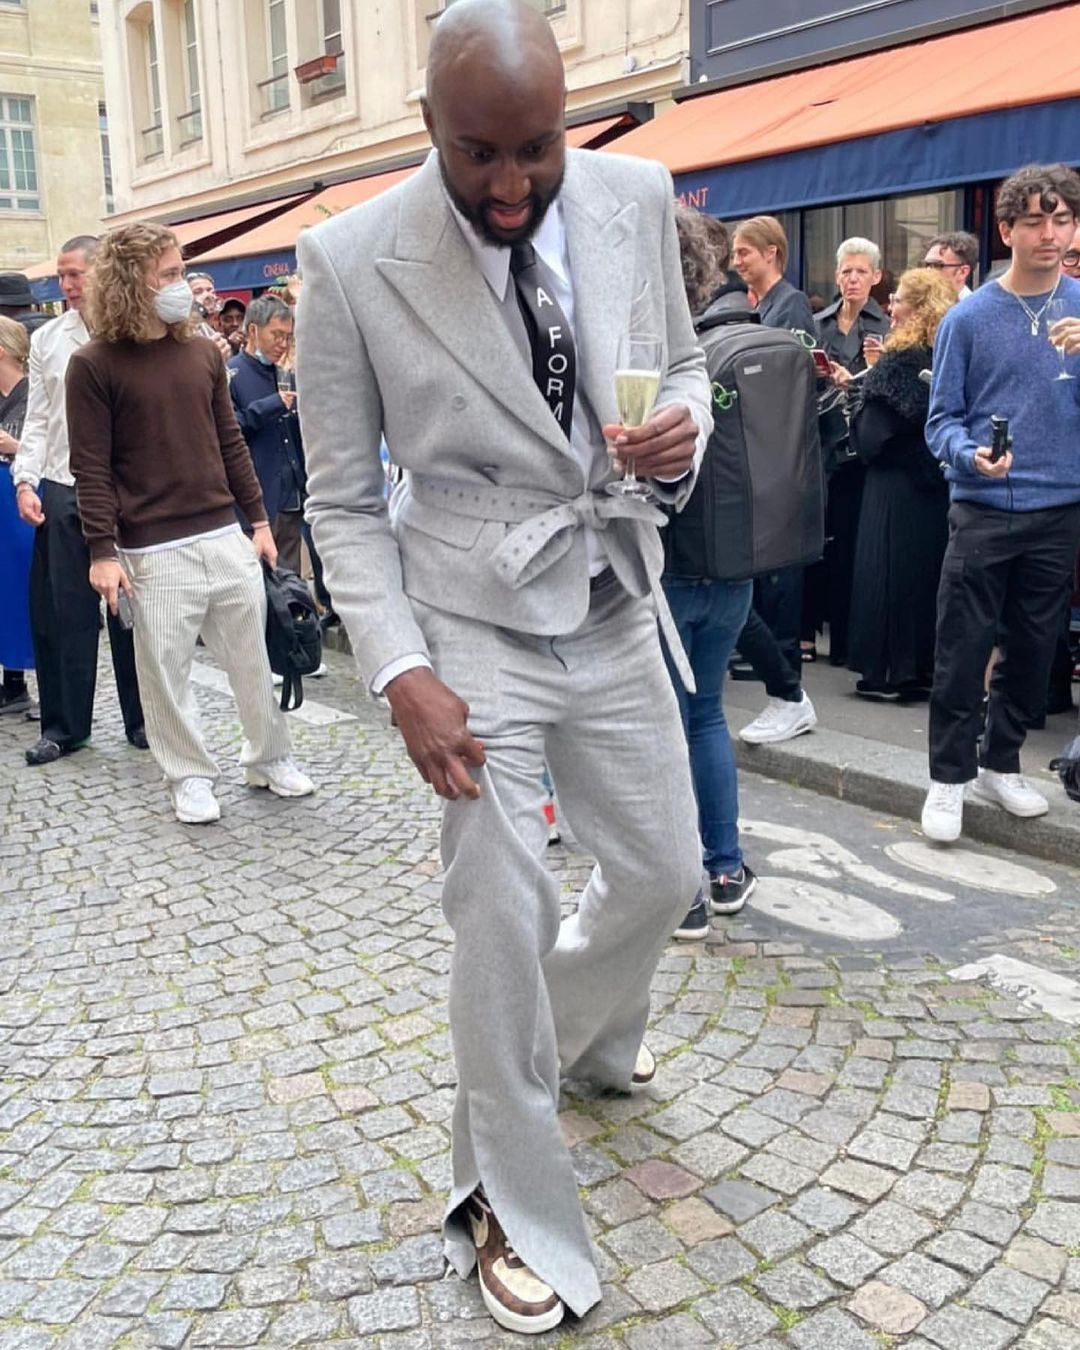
[
  {"x": 662, "y": 448},
  {"x": 263, "y": 541},
  {"x": 1066, "y": 332}
]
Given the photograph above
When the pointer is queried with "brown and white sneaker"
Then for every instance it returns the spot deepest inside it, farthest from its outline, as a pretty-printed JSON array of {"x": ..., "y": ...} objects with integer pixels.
[
  {"x": 644, "y": 1068},
  {"x": 516, "y": 1298}
]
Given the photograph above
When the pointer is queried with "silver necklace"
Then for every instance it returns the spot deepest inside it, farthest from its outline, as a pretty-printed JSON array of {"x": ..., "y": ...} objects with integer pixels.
[{"x": 1033, "y": 315}]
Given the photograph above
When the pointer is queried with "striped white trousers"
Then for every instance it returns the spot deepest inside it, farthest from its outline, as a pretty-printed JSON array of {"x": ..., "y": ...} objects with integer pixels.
[{"x": 212, "y": 586}]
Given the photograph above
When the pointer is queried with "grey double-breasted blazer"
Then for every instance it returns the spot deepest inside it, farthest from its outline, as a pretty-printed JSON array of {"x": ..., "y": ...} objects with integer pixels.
[{"x": 400, "y": 336}]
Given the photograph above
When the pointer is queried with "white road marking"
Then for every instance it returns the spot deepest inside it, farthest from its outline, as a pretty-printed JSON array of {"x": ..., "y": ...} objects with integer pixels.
[
  {"x": 965, "y": 867},
  {"x": 1056, "y": 995},
  {"x": 314, "y": 714},
  {"x": 832, "y": 854},
  {"x": 822, "y": 910},
  {"x": 806, "y": 861}
]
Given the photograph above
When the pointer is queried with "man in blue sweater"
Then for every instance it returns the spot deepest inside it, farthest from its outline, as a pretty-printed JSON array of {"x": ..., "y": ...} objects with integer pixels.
[{"x": 1014, "y": 523}]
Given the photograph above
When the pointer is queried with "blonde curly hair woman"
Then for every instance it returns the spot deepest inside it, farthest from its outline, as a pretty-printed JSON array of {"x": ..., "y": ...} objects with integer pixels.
[{"x": 902, "y": 527}]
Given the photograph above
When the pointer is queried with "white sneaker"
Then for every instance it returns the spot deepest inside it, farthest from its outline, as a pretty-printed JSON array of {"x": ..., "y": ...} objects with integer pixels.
[
  {"x": 780, "y": 721},
  {"x": 282, "y": 777},
  {"x": 1011, "y": 791},
  {"x": 319, "y": 673},
  {"x": 194, "y": 801},
  {"x": 943, "y": 812},
  {"x": 276, "y": 679}
]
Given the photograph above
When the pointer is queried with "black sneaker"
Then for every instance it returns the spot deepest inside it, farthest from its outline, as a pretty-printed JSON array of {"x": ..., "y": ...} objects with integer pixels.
[
  {"x": 695, "y": 926},
  {"x": 727, "y": 895}
]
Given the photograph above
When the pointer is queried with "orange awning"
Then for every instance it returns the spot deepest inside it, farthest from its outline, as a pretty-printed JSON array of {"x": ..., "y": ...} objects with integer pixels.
[
  {"x": 281, "y": 233},
  {"x": 585, "y": 134},
  {"x": 219, "y": 229},
  {"x": 1033, "y": 59}
]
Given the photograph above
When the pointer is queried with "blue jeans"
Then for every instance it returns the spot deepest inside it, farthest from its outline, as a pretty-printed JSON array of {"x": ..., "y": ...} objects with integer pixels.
[{"x": 710, "y": 616}]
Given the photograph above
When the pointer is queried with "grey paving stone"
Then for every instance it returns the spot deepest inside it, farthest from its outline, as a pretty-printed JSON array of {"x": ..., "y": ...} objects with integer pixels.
[
  {"x": 245, "y": 1326},
  {"x": 931, "y": 1282},
  {"x": 956, "y": 1328},
  {"x": 846, "y": 1259},
  {"x": 861, "y": 1180},
  {"x": 739, "y": 1200},
  {"x": 824, "y": 1210},
  {"x": 891, "y": 1228},
  {"x": 722, "y": 1261},
  {"x": 1005, "y": 1186},
  {"x": 263, "y": 1286},
  {"x": 967, "y": 1253},
  {"x": 130, "y": 1296},
  {"x": 773, "y": 1234},
  {"x": 61, "y": 1301},
  {"x": 792, "y": 1285},
  {"x": 352, "y": 1229},
  {"x": 669, "y": 1334},
  {"x": 385, "y": 1310},
  {"x": 338, "y": 1277},
  {"x": 194, "y": 1292},
  {"x": 1009, "y": 1292},
  {"x": 929, "y": 1192},
  {"x": 415, "y": 1260},
  {"x": 987, "y": 1222},
  {"x": 663, "y": 1285},
  {"x": 831, "y": 1330},
  {"x": 1058, "y": 1221},
  {"x": 735, "y": 1318},
  {"x": 641, "y": 1242}
]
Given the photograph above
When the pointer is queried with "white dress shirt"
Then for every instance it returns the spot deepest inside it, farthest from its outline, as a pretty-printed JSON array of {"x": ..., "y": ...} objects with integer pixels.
[{"x": 43, "y": 447}]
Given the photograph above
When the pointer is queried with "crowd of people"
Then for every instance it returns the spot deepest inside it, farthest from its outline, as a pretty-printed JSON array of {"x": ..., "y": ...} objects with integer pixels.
[{"x": 842, "y": 468}]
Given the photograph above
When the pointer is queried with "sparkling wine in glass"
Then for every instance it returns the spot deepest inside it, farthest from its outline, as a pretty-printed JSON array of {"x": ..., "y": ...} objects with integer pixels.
[
  {"x": 286, "y": 386},
  {"x": 1057, "y": 310},
  {"x": 637, "y": 383}
]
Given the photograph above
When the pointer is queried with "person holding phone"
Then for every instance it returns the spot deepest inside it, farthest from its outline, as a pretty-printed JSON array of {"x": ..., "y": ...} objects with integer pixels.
[
  {"x": 160, "y": 468},
  {"x": 1014, "y": 521}
]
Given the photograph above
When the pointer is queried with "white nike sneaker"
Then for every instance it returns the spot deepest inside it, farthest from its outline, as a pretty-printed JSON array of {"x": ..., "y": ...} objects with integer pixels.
[
  {"x": 282, "y": 777},
  {"x": 780, "y": 721},
  {"x": 194, "y": 801},
  {"x": 1011, "y": 791},
  {"x": 943, "y": 812}
]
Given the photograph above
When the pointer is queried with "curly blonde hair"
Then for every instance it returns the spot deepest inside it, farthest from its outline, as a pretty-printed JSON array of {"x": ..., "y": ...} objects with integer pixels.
[
  {"x": 701, "y": 269},
  {"x": 930, "y": 297},
  {"x": 119, "y": 302}
]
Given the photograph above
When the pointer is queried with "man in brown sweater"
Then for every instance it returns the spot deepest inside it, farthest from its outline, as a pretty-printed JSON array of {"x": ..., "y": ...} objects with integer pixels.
[{"x": 160, "y": 466}]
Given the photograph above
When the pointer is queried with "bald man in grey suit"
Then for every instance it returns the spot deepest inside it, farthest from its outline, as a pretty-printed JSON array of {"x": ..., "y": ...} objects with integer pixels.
[{"x": 509, "y": 612}]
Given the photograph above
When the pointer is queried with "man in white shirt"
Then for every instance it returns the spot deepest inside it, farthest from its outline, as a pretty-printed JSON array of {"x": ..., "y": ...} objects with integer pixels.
[
  {"x": 65, "y": 610},
  {"x": 510, "y": 614}
]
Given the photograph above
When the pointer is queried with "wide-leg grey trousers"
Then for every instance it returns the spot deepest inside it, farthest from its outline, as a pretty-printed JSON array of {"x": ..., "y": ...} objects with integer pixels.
[{"x": 531, "y": 998}]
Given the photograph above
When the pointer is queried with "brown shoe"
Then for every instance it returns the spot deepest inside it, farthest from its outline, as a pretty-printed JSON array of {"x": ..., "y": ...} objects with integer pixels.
[{"x": 516, "y": 1298}]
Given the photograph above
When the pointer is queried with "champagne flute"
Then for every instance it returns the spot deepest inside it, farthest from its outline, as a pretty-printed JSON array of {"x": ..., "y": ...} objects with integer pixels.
[
  {"x": 1057, "y": 310},
  {"x": 638, "y": 370},
  {"x": 286, "y": 385}
]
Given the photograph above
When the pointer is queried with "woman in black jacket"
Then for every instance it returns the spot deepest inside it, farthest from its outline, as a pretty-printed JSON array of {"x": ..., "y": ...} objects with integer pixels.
[{"x": 903, "y": 526}]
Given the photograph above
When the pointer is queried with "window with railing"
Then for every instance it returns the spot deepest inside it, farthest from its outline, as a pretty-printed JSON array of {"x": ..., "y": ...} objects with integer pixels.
[
  {"x": 322, "y": 76},
  {"x": 190, "y": 122},
  {"x": 106, "y": 157},
  {"x": 153, "y": 139},
  {"x": 274, "y": 90},
  {"x": 18, "y": 157}
]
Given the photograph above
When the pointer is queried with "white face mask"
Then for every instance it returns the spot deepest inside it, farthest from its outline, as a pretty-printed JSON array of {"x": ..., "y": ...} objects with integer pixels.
[{"x": 173, "y": 303}]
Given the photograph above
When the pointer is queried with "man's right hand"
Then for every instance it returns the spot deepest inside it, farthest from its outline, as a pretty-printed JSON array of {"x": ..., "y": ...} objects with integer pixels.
[
  {"x": 434, "y": 724},
  {"x": 288, "y": 398},
  {"x": 989, "y": 469},
  {"x": 108, "y": 578},
  {"x": 29, "y": 504}
]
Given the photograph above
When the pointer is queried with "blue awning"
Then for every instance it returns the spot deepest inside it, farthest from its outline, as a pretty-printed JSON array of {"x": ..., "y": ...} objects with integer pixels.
[
  {"x": 937, "y": 156},
  {"x": 249, "y": 274}
]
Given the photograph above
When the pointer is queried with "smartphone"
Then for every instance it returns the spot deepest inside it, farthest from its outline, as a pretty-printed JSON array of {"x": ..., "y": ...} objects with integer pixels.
[
  {"x": 1001, "y": 441},
  {"x": 125, "y": 615},
  {"x": 822, "y": 364}
]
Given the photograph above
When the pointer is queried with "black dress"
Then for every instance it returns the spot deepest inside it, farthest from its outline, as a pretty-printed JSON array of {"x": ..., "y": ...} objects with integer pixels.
[
  {"x": 827, "y": 598},
  {"x": 903, "y": 528}
]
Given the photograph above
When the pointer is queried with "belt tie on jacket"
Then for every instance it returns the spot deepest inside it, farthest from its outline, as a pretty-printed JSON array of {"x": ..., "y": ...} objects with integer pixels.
[{"x": 544, "y": 531}]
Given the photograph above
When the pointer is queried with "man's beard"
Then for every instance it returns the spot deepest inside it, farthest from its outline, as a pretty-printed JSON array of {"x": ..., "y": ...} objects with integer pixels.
[{"x": 477, "y": 217}]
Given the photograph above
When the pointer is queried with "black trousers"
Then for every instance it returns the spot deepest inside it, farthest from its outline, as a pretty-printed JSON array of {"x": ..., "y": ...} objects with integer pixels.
[
  {"x": 65, "y": 621},
  {"x": 770, "y": 638},
  {"x": 1005, "y": 578}
]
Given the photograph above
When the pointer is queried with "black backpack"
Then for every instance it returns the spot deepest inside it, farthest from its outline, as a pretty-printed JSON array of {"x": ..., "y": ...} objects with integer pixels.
[
  {"x": 293, "y": 634},
  {"x": 759, "y": 502}
]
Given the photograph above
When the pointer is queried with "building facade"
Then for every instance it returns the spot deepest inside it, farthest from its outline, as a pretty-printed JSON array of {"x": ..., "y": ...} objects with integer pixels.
[
  {"x": 53, "y": 129},
  {"x": 222, "y": 103}
]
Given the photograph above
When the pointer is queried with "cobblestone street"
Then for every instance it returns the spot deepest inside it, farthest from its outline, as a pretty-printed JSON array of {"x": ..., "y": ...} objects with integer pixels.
[{"x": 226, "y": 1078}]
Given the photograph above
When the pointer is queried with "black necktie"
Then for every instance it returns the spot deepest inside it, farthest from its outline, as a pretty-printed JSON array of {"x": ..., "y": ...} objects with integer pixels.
[{"x": 553, "y": 357}]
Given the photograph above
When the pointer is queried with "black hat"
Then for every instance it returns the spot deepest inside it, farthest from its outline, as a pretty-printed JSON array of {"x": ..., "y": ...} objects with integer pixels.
[
  {"x": 232, "y": 303},
  {"x": 15, "y": 292}
]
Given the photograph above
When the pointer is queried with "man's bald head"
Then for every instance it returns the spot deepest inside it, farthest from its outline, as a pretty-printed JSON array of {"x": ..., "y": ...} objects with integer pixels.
[
  {"x": 489, "y": 37},
  {"x": 494, "y": 110}
]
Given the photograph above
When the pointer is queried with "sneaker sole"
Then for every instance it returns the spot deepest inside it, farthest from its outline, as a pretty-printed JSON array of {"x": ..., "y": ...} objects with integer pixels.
[
  {"x": 734, "y": 906},
  {"x": 989, "y": 799},
  {"x": 185, "y": 819},
  {"x": 690, "y": 934},
  {"x": 512, "y": 1321},
  {"x": 258, "y": 780},
  {"x": 940, "y": 838},
  {"x": 771, "y": 738}
]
